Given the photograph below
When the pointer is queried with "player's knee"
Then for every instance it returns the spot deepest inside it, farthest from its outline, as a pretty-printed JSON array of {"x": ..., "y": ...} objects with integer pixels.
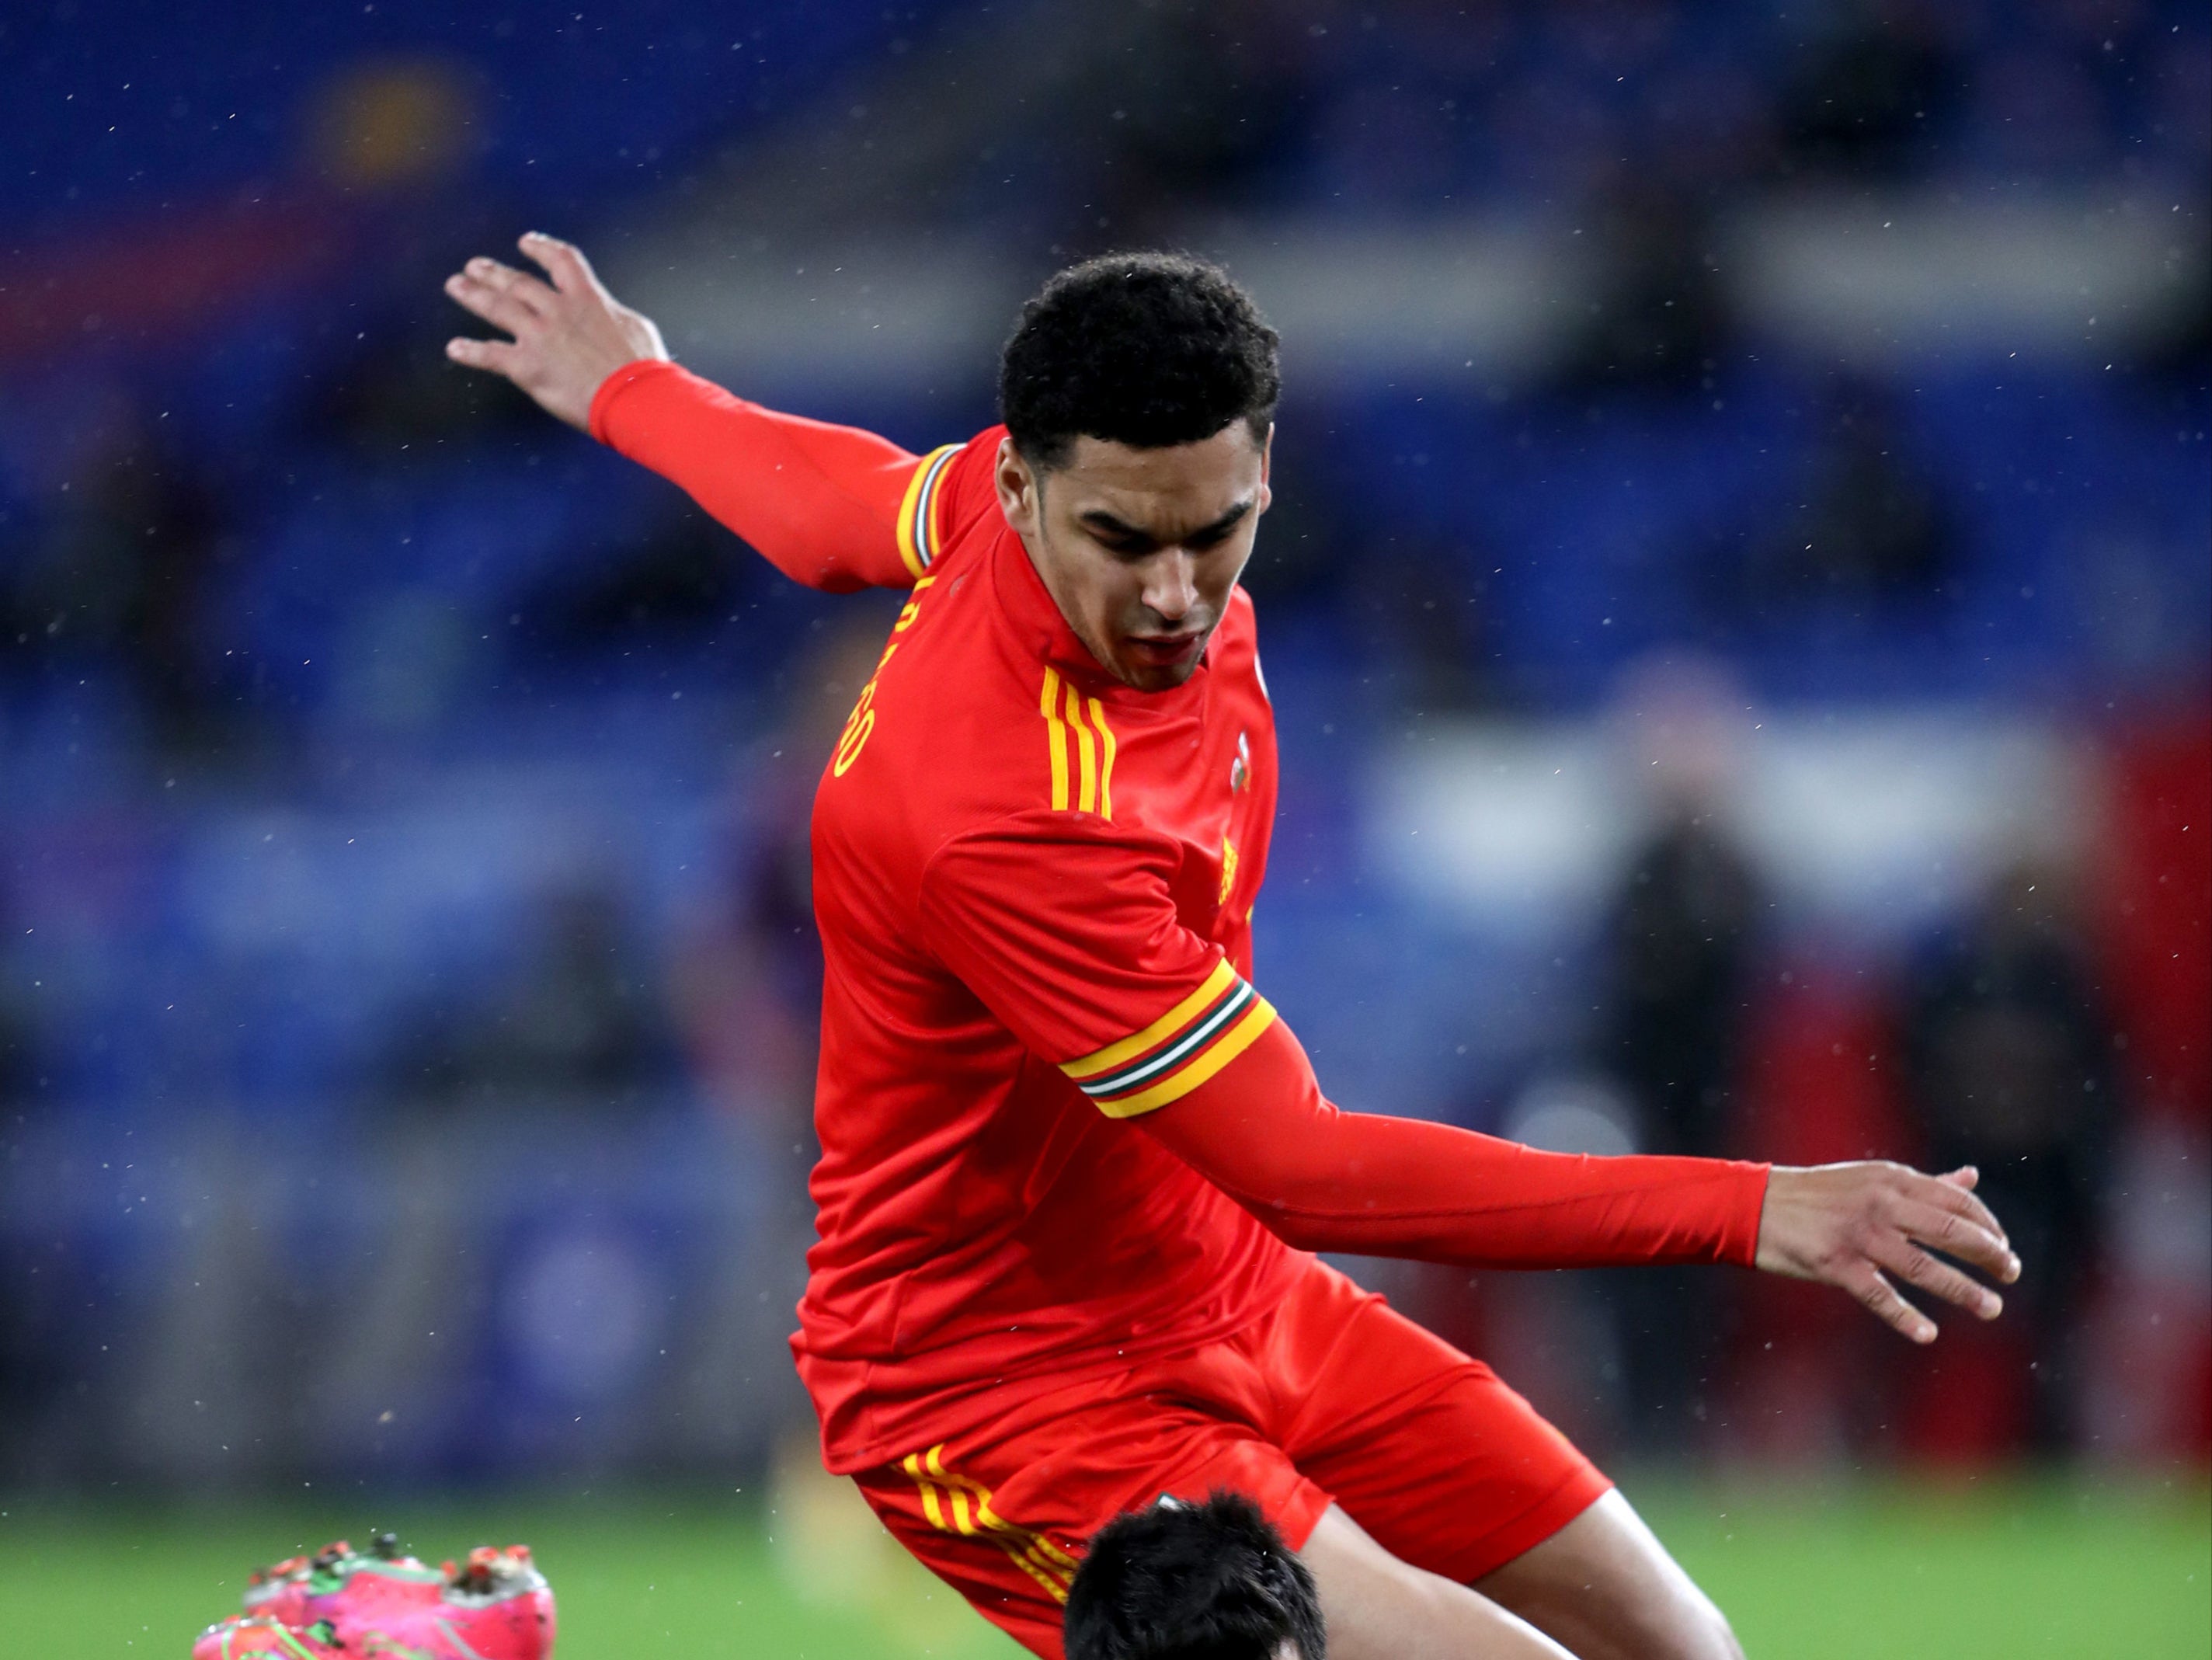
[
  {"x": 1686, "y": 1626},
  {"x": 1705, "y": 1634}
]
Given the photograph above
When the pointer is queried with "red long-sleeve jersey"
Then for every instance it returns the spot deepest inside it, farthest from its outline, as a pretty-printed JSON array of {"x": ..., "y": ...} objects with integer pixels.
[{"x": 1060, "y": 1130}]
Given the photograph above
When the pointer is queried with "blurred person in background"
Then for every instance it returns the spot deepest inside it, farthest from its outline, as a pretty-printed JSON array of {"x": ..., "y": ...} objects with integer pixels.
[
  {"x": 676, "y": 574},
  {"x": 2147, "y": 1352},
  {"x": 27, "y": 1367},
  {"x": 2008, "y": 1055},
  {"x": 121, "y": 571},
  {"x": 1680, "y": 947},
  {"x": 1872, "y": 530},
  {"x": 385, "y": 397},
  {"x": 1205, "y": 126},
  {"x": 1685, "y": 929},
  {"x": 1420, "y": 605},
  {"x": 762, "y": 952},
  {"x": 746, "y": 986},
  {"x": 581, "y": 1021},
  {"x": 1877, "y": 77},
  {"x": 1660, "y": 321},
  {"x": 1689, "y": 916},
  {"x": 17, "y": 1060}
]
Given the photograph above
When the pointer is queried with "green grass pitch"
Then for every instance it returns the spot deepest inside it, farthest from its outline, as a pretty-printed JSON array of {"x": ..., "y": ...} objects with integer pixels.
[{"x": 2014, "y": 1568}]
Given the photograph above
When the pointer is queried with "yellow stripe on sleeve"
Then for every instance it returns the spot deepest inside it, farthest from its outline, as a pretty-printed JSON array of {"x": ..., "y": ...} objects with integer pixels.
[
  {"x": 909, "y": 553},
  {"x": 1174, "y": 1020},
  {"x": 1227, "y": 1047},
  {"x": 917, "y": 514}
]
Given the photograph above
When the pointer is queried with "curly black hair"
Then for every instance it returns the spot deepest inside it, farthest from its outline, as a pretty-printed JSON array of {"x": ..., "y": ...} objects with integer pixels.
[
  {"x": 1147, "y": 350},
  {"x": 1193, "y": 1582}
]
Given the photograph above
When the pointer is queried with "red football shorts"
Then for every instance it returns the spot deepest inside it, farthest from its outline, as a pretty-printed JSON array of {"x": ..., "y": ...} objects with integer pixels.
[{"x": 1334, "y": 1397}]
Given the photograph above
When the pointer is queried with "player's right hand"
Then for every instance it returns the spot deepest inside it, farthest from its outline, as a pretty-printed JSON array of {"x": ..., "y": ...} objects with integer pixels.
[
  {"x": 569, "y": 334},
  {"x": 1865, "y": 1226}
]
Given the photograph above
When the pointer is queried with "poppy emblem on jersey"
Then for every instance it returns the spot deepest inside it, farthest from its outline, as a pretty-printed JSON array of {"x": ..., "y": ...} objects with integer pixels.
[{"x": 1240, "y": 769}]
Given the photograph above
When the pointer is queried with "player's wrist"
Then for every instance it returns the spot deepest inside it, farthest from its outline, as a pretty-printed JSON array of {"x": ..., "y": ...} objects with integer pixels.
[{"x": 617, "y": 382}]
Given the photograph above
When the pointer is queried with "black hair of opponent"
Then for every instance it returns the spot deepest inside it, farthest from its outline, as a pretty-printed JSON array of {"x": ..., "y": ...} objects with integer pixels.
[
  {"x": 1149, "y": 349},
  {"x": 1193, "y": 1582}
]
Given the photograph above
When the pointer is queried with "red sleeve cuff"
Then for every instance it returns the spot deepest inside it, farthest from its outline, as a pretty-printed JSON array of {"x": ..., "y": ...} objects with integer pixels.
[
  {"x": 1740, "y": 1245},
  {"x": 645, "y": 370}
]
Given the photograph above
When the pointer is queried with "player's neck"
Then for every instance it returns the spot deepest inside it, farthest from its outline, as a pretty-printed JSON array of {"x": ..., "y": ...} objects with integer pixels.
[{"x": 1076, "y": 648}]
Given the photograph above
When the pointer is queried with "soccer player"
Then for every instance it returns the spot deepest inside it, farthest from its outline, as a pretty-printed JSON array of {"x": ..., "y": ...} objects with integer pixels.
[
  {"x": 1074, "y": 1163},
  {"x": 1206, "y": 1581}
]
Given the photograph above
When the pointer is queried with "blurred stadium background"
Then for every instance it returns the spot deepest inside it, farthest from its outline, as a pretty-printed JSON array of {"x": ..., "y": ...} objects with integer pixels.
[{"x": 1740, "y": 605}]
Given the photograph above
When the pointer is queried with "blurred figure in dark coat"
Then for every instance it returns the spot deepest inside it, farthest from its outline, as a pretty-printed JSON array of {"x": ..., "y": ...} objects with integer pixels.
[
  {"x": 1682, "y": 935},
  {"x": 2008, "y": 1053}
]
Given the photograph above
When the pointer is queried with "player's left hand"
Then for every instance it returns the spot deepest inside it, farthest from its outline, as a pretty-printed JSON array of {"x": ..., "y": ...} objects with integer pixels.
[{"x": 1863, "y": 1227}]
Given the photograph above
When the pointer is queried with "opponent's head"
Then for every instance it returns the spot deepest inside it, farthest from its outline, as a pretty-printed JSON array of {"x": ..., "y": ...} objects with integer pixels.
[
  {"x": 1193, "y": 1582},
  {"x": 1139, "y": 392}
]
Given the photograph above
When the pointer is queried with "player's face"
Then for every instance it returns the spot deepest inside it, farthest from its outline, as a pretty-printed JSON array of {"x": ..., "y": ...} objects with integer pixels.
[{"x": 1140, "y": 547}]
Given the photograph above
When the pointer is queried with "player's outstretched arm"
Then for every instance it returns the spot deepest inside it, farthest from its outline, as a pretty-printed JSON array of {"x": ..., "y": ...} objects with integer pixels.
[
  {"x": 831, "y": 507},
  {"x": 1260, "y": 1130},
  {"x": 1327, "y": 1180}
]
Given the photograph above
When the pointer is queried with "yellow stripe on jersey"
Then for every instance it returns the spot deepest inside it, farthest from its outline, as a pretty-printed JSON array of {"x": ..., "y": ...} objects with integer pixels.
[
  {"x": 912, "y": 1465},
  {"x": 1106, "y": 762},
  {"x": 1083, "y": 779},
  {"x": 918, "y": 544},
  {"x": 1086, "y": 750},
  {"x": 1056, "y": 738}
]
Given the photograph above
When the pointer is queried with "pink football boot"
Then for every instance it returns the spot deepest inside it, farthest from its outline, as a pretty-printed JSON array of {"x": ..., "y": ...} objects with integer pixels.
[{"x": 384, "y": 1606}]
